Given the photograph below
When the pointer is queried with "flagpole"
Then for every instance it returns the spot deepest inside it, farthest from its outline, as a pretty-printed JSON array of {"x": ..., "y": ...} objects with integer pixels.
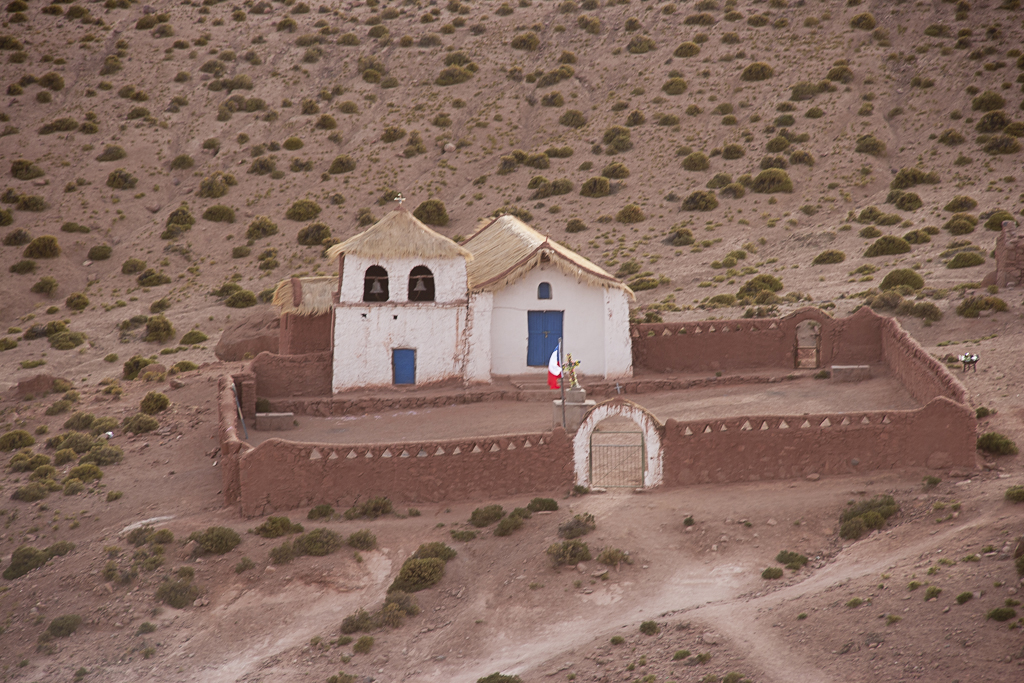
[{"x": 561, "y": 380}]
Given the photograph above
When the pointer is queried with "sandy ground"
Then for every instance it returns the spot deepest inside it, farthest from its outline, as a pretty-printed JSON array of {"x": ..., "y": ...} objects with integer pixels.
[{"x": 804, "y": 395}]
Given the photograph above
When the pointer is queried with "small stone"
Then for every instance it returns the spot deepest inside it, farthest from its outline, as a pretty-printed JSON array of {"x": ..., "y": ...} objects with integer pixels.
[
  {"x": 449, "y": 148},
  {"x": 813, "y": 476},
  {"x": 176, "y": 384},
  {"x": 153, "y": 208},
  {"x": 86, "y": 263},
  {"x": 772, "y": 522}
]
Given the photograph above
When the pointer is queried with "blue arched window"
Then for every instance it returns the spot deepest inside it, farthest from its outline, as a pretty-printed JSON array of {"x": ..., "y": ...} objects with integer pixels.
[{"x": 544, "y": 290}]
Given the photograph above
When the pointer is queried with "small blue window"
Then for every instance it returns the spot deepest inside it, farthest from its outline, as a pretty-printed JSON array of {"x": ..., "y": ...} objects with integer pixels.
[{"x": 544, "y": 290}]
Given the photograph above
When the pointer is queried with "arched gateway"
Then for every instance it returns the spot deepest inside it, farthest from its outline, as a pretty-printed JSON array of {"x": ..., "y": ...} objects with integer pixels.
[{"x": 631, "y": 458}]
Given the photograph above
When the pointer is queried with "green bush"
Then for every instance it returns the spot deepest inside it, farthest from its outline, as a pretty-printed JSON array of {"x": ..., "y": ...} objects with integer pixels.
[
  {"x": 274, "y": 527},
  {"x": 432, "y": 212},
  {"x": 887, "y": 245},
  {"x": 772, "y": 573},
  {"x": 16, "y": 439},
  {"x": 182, "y": 162},
  {"x": 772, "y": 180},
  {"x": 909, "y": 177},
  {"x": 101, "y": 454},
  {"x": 341, "y": 164},
  {"x": 687, "y": 49},
  {"x": 868, "y": 514},
  {"x": 321, "y": 511},
  {"x": 371, "y": 509},
  {"x": 158, "y": 329},
  {"x": 177, "y": 593},
  {"x": 674, "y": 86},
  {"x": 630, "y": 213},
  {"x": 902, "y": 277},
  {"x": 418, "y": 574},
  {"x": 120, "y": 179},
  {"x": 42, "y": 247},
  {"x": 260, "y": 228},
  {"x": 22, "y": 169},
  {"x": 864, "y": 22},
  {"x": 579, "y": 525},
  {"x": 794, "y": 561},
  {"x": 1015, "y": 494},
  {"x": 132, "y": 266},
  {"x": 995, "y": 221},
  {"x": 362, "y": 540},
  {"x": 86, "y": 472},
  {"x": 696, "y": 161},
  {"x": 219, "y": 213},
  {"x": 988, "y": 101},
  {"x": 649, "y": 628},
  {"x": 757, "y": 71},
  {"x": 434, "y": 549},
  {"x": 217, "y": 540},
  {"x": 568, "y": 553},
  {"x": 829, "y": 256},
  {"x": 758, "y": 284},
  {"x": 303, "y": 210},
  {"x": 869, "y": 144},
  {"x": 542, "y": 505},
  {"x": 995, "y": 443},
  {"x": 26, "y": 558},
  {"x": 241, "y": 299},
  {"x": 966, "y": 259},
  {"x": 153, "y": 403},
  {"x": 193, "y": 337},
  {"x": 525, "y": 41},
  {"x": 100, "y": 252},
  {"x": 485, "y": 516},
  {"x": 1001, "y": 614},
  {"x": 700, "y": 201},
  {"x": 960, "y": 203},
  {"x": 77, "y": 301},
  {"x": 16, "y": 238},
  {"x": 63, "y": 626},
  {"x": 112, "y": 153},
  {"x": 595, "y": 187}
]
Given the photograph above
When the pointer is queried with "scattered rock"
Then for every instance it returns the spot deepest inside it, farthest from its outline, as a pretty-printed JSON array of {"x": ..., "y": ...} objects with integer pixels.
[
  {"x": 449, "y": 148},
  {"x": 814, "y": 476},
  {"x": 772, "y": 522}
]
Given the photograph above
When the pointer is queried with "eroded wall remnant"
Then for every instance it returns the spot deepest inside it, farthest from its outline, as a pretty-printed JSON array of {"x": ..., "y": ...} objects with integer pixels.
[{"x": 1010, "y": 256}]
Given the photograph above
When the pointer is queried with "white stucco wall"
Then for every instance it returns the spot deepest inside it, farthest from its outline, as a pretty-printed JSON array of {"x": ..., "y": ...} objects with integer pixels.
[
  {"x": 478, "y": 337},
  {"x": 618, "y": 347},
  {"x": 595, "y": 325},
  {"x": 450, "y": 284},
  {"x": 365, "y": 334},
  {"x": 654, "y": 455}
]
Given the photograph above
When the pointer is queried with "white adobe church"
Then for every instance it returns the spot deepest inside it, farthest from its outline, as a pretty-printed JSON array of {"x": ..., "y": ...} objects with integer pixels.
[{"x": 410, "y": 306}]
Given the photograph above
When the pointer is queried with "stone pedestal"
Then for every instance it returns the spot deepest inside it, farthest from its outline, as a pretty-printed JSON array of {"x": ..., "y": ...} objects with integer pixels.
[
  {"x": 576, "y": 407},
  {"x": 851, "y": 373}
]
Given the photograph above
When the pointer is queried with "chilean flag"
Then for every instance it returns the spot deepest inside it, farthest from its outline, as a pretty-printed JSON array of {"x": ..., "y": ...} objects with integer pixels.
[{"x": 555, "y": 368}]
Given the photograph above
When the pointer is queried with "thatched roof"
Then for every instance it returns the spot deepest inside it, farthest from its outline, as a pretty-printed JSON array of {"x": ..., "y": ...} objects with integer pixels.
[
  {"x": 399, "y": 235},
  {"x": 317, "y": 295},
  {"x": 506, "y": 249}
]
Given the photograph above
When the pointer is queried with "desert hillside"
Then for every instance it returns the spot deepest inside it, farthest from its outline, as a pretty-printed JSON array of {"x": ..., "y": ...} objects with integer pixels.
[{"x": 166, "y": 164}]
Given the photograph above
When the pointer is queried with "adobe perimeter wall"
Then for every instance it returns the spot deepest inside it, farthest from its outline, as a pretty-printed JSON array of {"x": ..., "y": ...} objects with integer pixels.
[
  {"x": 231, "y": 446},
  {"x": 281, "y": 475},
  {"x": 939, "y": 436},
  {"x": 303, "y": 375},
  {"x": 713, "y": 345},
  {"x": 923, "y": 376}
]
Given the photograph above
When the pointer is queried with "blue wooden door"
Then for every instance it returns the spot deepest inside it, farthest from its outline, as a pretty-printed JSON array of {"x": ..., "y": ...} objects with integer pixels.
[
  {"x": 545, "y": 329},
  {"x": 403, "y": 362}
]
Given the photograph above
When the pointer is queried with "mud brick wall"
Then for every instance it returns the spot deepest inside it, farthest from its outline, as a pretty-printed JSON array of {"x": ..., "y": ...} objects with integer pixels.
[
  {"x": 923, "y": 376},
  {"x": 713, "y": 345},
  {"x": 305, "y": 375},
  {"x": 1010, "y": 255},
  {"x": 302, "y": 334},
  {"x": 282, "y": 475},
  {"x": 938, "y": 436},
  {"x": 231, "y": 446}
]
